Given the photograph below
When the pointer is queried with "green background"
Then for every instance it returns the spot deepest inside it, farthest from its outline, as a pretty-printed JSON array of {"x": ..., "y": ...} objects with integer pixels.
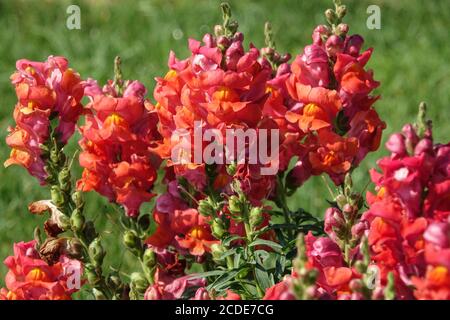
[{"x": 410, "y": 59}]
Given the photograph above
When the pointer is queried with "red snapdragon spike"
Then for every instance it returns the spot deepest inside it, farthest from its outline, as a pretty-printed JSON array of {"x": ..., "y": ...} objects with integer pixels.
[
  {"x": 30, "y": 278},
  {"x": 409, "y": 216},
  {"x": 224, "y": 89},
  {"x": 329, "y": 90},
  {"x": 44, "y": 90},
  {"x": 116, "y": 143}
]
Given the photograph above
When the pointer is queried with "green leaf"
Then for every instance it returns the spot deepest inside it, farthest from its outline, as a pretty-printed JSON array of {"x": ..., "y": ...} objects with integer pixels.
[
  {"x": 223, "y": 279},
  {"x": 227, "y": 241},
  {"x": 207, "y": 274},
  {"x": 237, "y": 259},
  {"x": 262, "y": 242},
  {"x": 227, "y": 253},
  {"x": 263, "y": 278}
]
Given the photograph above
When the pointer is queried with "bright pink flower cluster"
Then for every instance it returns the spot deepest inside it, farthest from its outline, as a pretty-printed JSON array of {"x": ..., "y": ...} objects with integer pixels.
[
  {"x": 30, "y": 278},
  {"x": 45, "y": 91},
  {"x": 116, "y": 145}
]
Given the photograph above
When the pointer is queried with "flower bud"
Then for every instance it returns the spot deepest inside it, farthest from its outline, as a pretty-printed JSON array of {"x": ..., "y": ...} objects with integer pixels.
[
  {"x": 223, "y": 42},
  {"x": 238, "y": 37},
  {"x": 98, "y": 294},
  {"x": 256, "y": 216},
  {"x": 96, "y": 252},
  {"x": 285, "y": 58},
  {"x": 77, "y": 220},
  {"x": 234, "y": 205},
  {"x": 54, "y": 155},
  {"x": 57, "y": 196},
  {"x": 217, "y": 250},
  {"x": 233, "y": 27},
  {"x": 424, "y": 146},
  {"x": 218, "y": 228},
  {"x": 334, "y": 45},
  {"x": 77, "y": 198},
  {"x": 342, "y": 29},
  {"x": 131, "y": 240},
  {"x": 341, "y": 11},
  {"x": 341, "y": 200},
  {"x": 268, "y": 52},
  {"x": 231, "y": 168},
  {"x": 331, "y": 16},
  {"x": 114, "y": 280},
  {"x": 320, "y": 33},
  {"x": 359, "y": 228},
  {"x": 64, "y": 179},
  {"x": 149, "y": 258},
  {"x": 205, "y": 208},
  {"x": 202, "y": 294},
  {"x": 411, "y": 137},
  {"x": 91, "y": 274},
  {"x": 353, "y": 45},
  {"x": 396, "y": 144},
  {"x": 63, "y": 221},
  {"x": 334, "y": 220},
  {"x": 208, "y": 40},
  {"x": 218, "y": 30},
  {"x": 153, "y": 293},
  {"x": 138, "y": 282}
]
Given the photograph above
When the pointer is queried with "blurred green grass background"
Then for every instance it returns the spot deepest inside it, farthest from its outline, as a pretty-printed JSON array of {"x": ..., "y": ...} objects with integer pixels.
[{"x": 410, "y": 59}]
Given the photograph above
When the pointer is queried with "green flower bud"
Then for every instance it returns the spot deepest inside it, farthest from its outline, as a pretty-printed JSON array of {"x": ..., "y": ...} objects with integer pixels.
[
  {"x": 57, "y": 196},
  {"x": 131, "y": 240},
  {"x": 98, "y": 294},
  {"x": 233, "y": 27},
  {"x": 63, "y": 222},
  {"x": 218, "y": 229},
  {"x": 341, "y": 201},
  {"x": 138, "y": 282},
  {"x": 331, "y": 16},
  {"x": 54, "y": 155},
  {"x": 231, "y": 168},
  {"x": 348, "y": 184},
  {"x": 218, "y": 30},
  {"x": 64, "y": 179},
  {"x": 96, "y": 252},
  {"x": 91, "y": 274},
  {"x": 341, "y": 11},
  {"x": 234, "y": 205},
  {"x": 77, "y": 198},
  {"x": 256, "y": 216},
  {"x": 77, "y": 220},
  {"x": 217, "y": 250},
  {"x": 149, "y": 258},
  {"x": 205, "y": 208}
]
